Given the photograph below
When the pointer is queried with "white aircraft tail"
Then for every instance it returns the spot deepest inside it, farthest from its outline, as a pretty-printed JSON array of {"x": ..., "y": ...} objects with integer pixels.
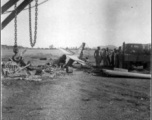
[{"x": 79, "y": 52}]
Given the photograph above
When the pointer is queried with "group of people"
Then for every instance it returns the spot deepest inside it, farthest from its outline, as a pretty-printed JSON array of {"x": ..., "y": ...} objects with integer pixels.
[{"x": 106, "y": 57}]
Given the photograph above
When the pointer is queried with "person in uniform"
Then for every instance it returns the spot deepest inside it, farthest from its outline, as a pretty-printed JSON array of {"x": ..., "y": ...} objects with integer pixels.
[
  {"x": 101, "y": 58},
  {"x": 120, "y": 57},
  {"x": 104, "y": 57},
  {"x": 116, "y": 58},
  {"x": 112, "y": 58},
  {"x": 97, "y": 56},
  {"x": 107, "y": 57}
]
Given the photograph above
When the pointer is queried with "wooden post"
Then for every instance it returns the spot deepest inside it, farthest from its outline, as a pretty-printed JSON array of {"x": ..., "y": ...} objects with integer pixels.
[
  {"x": 12, "y": 15},
  {"x": 8, "y": 5}
]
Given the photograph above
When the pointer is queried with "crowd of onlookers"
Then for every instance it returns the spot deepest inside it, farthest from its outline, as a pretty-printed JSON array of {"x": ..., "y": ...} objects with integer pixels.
[{"x": 107, "y": 57}]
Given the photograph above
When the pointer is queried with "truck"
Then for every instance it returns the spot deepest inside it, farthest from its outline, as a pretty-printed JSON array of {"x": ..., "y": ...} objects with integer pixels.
[{"x": 135, "y": 54}]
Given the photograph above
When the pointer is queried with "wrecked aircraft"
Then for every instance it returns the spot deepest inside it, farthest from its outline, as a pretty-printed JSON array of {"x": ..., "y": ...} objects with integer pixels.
[{"x": 76, "y": 57}]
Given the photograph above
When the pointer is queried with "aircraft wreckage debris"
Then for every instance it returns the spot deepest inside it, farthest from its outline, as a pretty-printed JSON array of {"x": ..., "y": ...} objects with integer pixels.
[{"x": 38, "y": 73}]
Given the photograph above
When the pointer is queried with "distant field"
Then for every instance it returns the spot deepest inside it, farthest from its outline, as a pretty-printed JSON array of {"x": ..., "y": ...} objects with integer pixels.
[{"x": 37, "y": 52}]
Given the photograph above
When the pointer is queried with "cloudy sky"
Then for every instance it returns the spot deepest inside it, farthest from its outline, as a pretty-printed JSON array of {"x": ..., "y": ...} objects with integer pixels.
[{"x": 68, "y": 23}]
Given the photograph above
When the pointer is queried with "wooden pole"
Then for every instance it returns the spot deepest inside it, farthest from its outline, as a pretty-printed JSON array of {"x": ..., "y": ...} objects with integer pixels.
[
  {"x": 8, "y": 5},
  {"x": 12, "y": 15}
]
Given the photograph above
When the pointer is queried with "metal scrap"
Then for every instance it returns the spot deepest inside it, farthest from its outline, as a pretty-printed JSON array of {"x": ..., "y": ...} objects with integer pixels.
[{"x": 39, "y": 73}]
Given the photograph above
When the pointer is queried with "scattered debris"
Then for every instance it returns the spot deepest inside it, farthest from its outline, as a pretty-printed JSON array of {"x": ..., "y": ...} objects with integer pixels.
[
  {"x": 35, "y": 73},
  {"x": 43, "y": 58}
]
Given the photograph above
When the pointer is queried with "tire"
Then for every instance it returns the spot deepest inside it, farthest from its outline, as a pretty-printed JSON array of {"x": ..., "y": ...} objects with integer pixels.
[{"x": 127, "y": 65}]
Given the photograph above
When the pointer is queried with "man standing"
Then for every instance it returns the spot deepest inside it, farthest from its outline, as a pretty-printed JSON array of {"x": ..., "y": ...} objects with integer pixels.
[
  {"x": 102, "y": 57},
  {"x": 97, "y": 56},
  {"x": 116, "y": 57},
  {"x": 112, "y": 58},
  {"x": 108, "y": 57},
  {"x": 120, "y": 57}
]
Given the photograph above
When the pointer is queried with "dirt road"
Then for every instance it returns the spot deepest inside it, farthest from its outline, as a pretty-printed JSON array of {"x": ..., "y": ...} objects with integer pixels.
[{"x": 80, "y": 96}]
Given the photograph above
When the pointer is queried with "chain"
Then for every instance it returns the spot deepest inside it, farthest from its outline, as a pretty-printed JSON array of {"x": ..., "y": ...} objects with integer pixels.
[
  {"x": 15, "y": 49},
  {"x": 15, "y": 26},
  {"x": 30, "y": 24}
]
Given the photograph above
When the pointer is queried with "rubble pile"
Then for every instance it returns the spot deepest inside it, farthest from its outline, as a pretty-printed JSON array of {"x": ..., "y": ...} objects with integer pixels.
[{"x": 38, "y": 73}]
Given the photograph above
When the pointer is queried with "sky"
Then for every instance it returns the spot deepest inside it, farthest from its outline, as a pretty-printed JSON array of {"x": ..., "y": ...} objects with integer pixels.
[{"x": 68, "y": 23}]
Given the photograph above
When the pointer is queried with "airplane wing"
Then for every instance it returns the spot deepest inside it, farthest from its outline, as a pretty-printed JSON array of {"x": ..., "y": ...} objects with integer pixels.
[
  {"x": 75, "y": 58},
  {"x": 65, "y": 51}
]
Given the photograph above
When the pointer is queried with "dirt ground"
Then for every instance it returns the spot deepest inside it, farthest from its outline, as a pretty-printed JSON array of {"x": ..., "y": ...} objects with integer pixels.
[{"x": 77, "y": 96}]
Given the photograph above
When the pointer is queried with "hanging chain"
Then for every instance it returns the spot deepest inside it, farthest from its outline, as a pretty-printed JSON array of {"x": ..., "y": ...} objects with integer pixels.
[
  {"x": 15, "y": 26},
  {"x": 32, "y": 42},
  {"x": 15, "y": 48}
]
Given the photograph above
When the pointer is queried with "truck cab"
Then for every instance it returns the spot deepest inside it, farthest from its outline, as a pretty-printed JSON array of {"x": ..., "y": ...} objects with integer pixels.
[{"x": 136, "y": 54}]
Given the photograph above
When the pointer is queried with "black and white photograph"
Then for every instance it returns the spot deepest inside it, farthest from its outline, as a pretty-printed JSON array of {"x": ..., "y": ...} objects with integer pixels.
[{"x": 76, "y": 59}]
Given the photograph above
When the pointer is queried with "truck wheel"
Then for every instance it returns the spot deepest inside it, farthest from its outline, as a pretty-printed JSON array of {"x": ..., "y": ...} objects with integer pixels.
[
  {"x": 127, "y": 65},
  {"x": 147, "y": 66}
]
